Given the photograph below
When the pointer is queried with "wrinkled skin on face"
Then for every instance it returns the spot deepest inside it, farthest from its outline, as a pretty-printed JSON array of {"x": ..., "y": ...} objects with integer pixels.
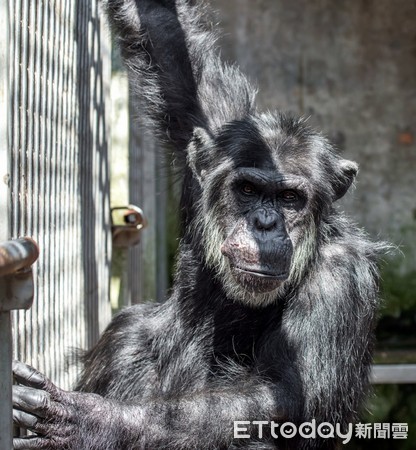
[
  {"x": 261, "y": 213},
  {"x": 259, "y": 256}
]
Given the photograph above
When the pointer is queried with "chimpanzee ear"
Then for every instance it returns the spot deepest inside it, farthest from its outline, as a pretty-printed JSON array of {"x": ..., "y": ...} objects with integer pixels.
[
  {"x": 199, "y": 151},
  {"x": 347, "y": 170}
]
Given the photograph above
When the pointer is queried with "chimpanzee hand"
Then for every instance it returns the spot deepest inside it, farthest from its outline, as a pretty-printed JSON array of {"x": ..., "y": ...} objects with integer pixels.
[{"x": 59, "y": 418}]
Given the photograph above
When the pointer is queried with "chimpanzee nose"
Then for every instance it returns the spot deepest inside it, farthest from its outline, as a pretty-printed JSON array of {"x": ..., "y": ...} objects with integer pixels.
[{"x": 264, "y": 220}]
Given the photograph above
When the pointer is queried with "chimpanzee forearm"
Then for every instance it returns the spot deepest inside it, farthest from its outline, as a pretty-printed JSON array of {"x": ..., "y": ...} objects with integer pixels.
[
  {"x": 207, "y": 418},
  {"x": 79, "y": 420}
]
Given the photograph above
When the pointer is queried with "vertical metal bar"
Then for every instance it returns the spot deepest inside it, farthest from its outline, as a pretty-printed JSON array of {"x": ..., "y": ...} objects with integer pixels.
[
  {"x": 5, "y": 381},
  {"x": 142, "y": 192},
  {"x": 161, "y": 241},
  {"x": 135, "y": 263},
  {"x": 4, "y": 120},
  {"x": 5, "y": 322}
]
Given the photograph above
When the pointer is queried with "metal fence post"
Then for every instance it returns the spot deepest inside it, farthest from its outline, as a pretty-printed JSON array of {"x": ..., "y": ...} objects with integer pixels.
[
  {"x": 5, "y": 381},
  {"x": 16, "y": 292},
  {"x": 5, "y": 323}
]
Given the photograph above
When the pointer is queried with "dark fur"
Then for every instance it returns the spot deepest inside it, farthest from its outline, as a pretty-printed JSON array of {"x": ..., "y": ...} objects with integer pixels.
[{"x": 176, "y": 375}]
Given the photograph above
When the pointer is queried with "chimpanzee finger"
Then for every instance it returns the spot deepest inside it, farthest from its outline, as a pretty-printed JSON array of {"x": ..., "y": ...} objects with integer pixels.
[
  {"x": 29, "y": 443},
  {"x": 27, "y": 421},
  {"x": 31, "y": 400},
  {"x": 28, "y": 376}
]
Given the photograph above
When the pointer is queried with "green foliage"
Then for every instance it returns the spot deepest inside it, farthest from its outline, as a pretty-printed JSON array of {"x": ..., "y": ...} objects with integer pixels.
[
  {"x": 397, "y": 325},
  {"x": 396, "y": 342},
  {"x": 399, "y": 291}
]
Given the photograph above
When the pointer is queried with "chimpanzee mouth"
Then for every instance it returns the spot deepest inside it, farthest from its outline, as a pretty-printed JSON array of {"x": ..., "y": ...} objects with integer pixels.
[
  {"x": 263, "y": 274},
  {"x": 258, "y": 280}
]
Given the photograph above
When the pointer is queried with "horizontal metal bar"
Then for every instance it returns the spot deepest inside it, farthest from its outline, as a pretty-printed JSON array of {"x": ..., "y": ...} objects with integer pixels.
[
  {"x": 394, "y": 374},
  {"x": 17, "y": 254}
]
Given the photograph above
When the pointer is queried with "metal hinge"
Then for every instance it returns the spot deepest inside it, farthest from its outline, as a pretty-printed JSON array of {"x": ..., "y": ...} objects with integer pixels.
[{"x": 128, "y": 232}]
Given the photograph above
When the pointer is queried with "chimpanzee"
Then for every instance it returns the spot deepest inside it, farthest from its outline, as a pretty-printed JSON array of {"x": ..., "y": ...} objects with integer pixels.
[{"x": 270, "y": 321}]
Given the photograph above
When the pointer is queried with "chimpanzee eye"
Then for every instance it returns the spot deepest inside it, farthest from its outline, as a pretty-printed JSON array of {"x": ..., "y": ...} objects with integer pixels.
[
  {"x": 289, "y": 196},
  {"x": 247, "y": 189}
]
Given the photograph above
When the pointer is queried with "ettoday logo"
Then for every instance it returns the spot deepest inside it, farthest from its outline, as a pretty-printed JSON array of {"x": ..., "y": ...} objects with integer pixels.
[
  {"x": 307, "y": 430},
  {"x": 244, "y": 429}
]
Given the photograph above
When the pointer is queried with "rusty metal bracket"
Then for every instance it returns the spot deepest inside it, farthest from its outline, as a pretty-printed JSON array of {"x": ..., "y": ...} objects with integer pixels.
[
  {"x": 16, "y": 276},
  {"x": 133, "y": 221}
]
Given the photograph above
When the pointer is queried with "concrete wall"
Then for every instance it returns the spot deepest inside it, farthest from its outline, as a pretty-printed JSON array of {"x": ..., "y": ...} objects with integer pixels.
[{"x": 351, "y": 67}]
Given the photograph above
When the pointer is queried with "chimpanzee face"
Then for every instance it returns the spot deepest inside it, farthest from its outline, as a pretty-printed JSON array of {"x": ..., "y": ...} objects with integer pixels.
[
  {"x": 260, "y": 204},
  {"x": 264, "y": 209}
]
